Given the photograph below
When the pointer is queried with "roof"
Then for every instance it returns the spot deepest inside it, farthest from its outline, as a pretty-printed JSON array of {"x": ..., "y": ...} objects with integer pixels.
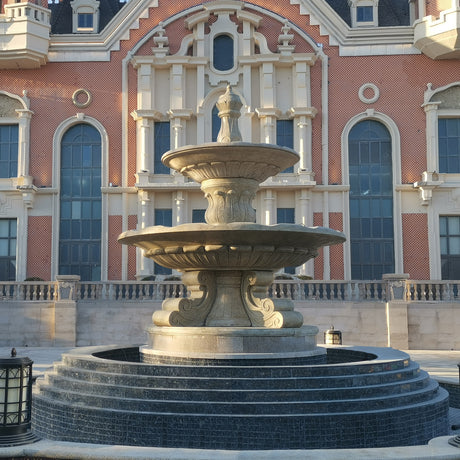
[{"x": 61, "y": 15}]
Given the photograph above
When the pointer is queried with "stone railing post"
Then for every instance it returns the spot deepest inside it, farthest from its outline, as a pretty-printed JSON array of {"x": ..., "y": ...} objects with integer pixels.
[
  {"x": 65, "y": 311},
  {"x": 396, "y": 310}
]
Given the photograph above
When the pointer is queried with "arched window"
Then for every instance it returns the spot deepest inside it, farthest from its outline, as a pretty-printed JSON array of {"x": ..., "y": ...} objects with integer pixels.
[
  {"x": 80, "y": 203},
  {"x": 371, "y": 200},
  {"x": 223, "y": 52}
]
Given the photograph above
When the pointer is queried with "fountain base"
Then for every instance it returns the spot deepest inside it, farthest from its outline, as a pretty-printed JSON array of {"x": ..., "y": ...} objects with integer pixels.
[
  {"x": 230, "y": 343},
  {"x": 361, "y": 397}
]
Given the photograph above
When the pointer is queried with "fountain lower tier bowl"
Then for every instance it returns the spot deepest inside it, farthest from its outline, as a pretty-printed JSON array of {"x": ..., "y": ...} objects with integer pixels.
[{"x": 233, "y": 246}]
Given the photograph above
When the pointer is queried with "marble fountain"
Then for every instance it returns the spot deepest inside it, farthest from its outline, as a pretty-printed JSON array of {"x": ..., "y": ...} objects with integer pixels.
[{"x": 227, "y": 367}]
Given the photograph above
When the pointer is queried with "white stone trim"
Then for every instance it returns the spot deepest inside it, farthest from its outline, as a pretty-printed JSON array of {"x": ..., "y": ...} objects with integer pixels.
[{"x": 368, "y": 100}]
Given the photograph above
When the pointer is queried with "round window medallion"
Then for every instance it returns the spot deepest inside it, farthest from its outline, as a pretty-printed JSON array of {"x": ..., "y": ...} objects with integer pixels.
[
  {"x": 82, "y": 98},
  {"x": 368, "y": 93}
]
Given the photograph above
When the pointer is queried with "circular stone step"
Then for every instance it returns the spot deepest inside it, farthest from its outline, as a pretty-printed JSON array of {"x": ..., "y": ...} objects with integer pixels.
[{"x": 382, "y": 400}]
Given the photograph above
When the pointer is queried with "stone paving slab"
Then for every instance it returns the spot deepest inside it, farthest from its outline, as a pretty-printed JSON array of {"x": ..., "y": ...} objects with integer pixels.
[{"x": 438, "y": 449}]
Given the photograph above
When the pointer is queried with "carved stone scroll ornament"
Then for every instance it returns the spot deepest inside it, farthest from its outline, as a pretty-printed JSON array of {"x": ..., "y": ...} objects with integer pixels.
[
  {"x": 265, "y": 312},
  {"x": 193, "y": 310}
]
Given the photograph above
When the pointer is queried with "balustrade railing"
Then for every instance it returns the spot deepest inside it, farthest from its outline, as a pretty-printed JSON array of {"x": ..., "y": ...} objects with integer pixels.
[{"x": 295, "y": 289}]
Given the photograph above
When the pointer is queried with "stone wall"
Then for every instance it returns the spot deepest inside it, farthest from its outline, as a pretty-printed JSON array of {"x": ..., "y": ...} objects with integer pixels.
[{"x": 413, "y": 325}]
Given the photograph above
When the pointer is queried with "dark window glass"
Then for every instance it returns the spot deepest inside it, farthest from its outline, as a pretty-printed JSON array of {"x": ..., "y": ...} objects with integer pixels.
[
  {"x": 162, "y": 143},
  {"x": 285, "y": 137},
  {"x": 449, "y": 145},
  {"x": 215, "y": 123},
  {"x": 223, "y": 52},
  {"x": 449, "y": 232},
  {"x": 371, "y": 201},
  {"x": 365, "y": 13},
  {"x": 85, "y": 20},
  {"x": 198, "y": 216},
  {"x": 80, "y": 212},
  {"x": 9, "y": 150},
  {"x": 162, "y": 217},
  {"x": 286, "y": 216},
  {"x": 8, "y": 228}
]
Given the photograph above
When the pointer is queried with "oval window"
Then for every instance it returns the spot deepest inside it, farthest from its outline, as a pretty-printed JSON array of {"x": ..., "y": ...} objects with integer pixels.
[{"x": 223, "y": 52}]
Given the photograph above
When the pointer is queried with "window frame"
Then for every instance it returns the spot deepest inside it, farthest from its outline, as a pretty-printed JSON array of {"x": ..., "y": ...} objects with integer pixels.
[
  {"x": 443, "y": 116},
  {"x": 3, "y": 123},
  {"x": 78, "y": 204},
  {"x": 447, "y": 258},
  {"x": 158, "y": 146},
  {"x": 281, "y": 137},
  {"x": 378, "y": 232},
  {"x": 12, "y": 223}
]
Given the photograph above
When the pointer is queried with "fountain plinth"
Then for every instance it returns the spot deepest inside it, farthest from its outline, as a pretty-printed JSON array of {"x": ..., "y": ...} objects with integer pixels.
[{"x": 229, "y": 263}]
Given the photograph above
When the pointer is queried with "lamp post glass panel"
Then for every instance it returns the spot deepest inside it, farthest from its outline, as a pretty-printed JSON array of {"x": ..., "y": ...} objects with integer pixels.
[{"x": 15, "y": 401}]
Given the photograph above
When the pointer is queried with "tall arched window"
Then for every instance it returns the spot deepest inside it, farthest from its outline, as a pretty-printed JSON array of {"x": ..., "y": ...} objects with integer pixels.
[
  {"x": 80, "y": 203},
  {"x": 371, "y": 201}
]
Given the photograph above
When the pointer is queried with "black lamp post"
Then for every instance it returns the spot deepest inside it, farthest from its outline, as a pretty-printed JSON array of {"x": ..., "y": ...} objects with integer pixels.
[{"x": 15, "y": 401}]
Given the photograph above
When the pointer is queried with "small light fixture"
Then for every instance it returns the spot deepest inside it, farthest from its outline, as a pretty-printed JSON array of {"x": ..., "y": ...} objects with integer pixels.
[
  {"x": 333, "y": 337},
  {"x": 15, "y": 401}
]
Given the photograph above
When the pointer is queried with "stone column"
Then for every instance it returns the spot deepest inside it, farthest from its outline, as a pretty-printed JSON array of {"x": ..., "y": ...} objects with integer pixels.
[
  {"x": 65, "y": 311},
  {"x": 396, "y": 310}
]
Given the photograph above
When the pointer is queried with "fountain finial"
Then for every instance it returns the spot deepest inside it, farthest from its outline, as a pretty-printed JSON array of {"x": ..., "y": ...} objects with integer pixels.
[{"x": 229, "y": 105}]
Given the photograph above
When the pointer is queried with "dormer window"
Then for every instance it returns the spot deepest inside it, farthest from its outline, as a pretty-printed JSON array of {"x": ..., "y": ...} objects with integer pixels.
[
  {"x": 364, "y": 13},
  {"x": 85, "y": 16}
]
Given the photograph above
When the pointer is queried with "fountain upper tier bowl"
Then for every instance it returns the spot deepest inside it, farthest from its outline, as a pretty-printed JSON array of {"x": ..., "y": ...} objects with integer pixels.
[
  {"x": 243, "y": 160},
  {"x": 232, "y": 246}
]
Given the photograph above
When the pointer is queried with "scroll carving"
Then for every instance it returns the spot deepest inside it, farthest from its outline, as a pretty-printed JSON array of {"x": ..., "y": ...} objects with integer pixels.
[
  {"x": 265, "y": 312},
  {"x": 193, "y": 310}
]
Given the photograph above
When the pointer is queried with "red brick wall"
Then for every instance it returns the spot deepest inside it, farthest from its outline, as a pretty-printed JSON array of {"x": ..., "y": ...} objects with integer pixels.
[
  {"x": 319, "y": 261},
  {"x": 39, "y": 247},
  {"x": 336, "y": 251},
  {"x": 114, "y": 248},
  {"x": 132, "y": 224},
  {"x": 415, "y": 248}
]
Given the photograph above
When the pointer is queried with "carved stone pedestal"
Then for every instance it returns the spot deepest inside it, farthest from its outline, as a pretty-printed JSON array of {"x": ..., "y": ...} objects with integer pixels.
[{"x": 230, "y": 342}]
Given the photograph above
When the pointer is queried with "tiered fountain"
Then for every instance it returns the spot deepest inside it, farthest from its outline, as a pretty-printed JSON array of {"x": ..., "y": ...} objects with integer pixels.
[
  {"x": 229, "y": 263},
  {"x": 227, "y": 367}
]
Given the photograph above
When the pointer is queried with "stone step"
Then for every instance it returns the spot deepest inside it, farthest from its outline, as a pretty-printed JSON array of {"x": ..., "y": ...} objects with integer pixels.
[
  {"x": 247, "y": 407},
  {"x": 253, "y": 432},
  {"x": 236, "y": 370},
  {"x": 232, "y": 405},
  {"x": 249, "y": 394},
  {"x": 262, "y": 380}
]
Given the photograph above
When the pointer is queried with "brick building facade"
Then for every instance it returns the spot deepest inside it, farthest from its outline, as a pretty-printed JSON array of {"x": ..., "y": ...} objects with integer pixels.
[{"x": 93, "y": 92}]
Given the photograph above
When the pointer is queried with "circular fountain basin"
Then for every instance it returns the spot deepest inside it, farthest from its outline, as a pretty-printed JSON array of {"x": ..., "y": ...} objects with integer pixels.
[
  {"x": 232, "y": 246},
  {"x": 235, "y": 159}
]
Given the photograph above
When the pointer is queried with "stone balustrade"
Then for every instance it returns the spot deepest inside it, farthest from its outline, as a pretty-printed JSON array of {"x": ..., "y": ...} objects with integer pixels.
[{"x": 295, "y": 289}]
